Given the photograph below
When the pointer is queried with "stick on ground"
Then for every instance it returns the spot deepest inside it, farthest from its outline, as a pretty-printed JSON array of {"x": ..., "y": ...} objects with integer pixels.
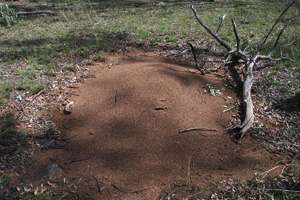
[{"x": 196, "y": 129}]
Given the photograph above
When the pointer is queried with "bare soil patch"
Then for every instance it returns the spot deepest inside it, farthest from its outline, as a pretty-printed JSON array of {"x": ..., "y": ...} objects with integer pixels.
[{"x": 124, "y": 131}]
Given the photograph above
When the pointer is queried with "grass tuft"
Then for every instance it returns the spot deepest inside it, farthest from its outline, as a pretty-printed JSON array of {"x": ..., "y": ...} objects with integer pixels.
[
  {"x": 5, "y": 89},
  {"x": 39, "y": 196},
  {"x": 28, "y": 79},
  {"x": 9, "y": 135},
  {"x": 8, "y": 15}
]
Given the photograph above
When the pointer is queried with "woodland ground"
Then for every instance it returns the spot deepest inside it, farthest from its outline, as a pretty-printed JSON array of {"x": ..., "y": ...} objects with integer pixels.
[{"x": 44, "y": 58}]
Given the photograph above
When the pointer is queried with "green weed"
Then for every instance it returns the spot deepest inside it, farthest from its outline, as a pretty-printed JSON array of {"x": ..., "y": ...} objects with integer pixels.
[
  {"x": 6, "y": 191},
  {"x": 4, "y": 181},
  {"x": 39, "y": 196},
  {"x": 8, "y": 15},
  {"x": 29, "y": 85},
  {"x": 28, "y": 79},
  {"x": 100, "y": 56},
  {"x": 5, "y": 89},
  {"x": 9, "y": 135}
]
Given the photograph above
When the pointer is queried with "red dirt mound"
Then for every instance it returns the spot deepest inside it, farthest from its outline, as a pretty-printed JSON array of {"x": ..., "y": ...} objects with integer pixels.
[{"x": 124, "y": 129}]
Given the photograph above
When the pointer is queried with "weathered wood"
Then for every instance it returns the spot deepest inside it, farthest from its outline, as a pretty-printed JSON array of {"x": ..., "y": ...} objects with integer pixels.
[
  {"x": 274, "y": 25},
  {"x": 220, "y": 41},
  {"x": 194, "y": 55},
  {"x": 221, "y": 20},
  {"x": 236, "y": 56},
  {"x": 247, "y": 99},
  {"x": 34, "y": 13},
  {"x": 237, "y": 38}
]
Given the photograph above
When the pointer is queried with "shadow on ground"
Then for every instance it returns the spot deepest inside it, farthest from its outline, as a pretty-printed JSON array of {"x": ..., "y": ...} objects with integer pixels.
[
  {"x": 104, "y": 4},
  {"x": 291, "y": 104},
  {"x": 73, "y": 46}
]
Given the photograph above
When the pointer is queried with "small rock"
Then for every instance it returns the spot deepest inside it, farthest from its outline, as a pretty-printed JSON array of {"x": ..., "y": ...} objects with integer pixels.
[
  {"x": 68, "y": 108},
  {"x": 54, "y": 171},
  {"x": 161, "y": 108}
]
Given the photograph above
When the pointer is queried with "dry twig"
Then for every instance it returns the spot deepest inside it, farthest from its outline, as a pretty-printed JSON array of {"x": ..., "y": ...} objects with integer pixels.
[{"x": 196, "y": 129}]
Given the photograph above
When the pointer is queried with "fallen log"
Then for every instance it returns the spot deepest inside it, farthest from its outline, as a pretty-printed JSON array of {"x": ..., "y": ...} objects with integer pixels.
[
  {"x": 35, "y": 13},
  {"x": 236, "y": 56}
]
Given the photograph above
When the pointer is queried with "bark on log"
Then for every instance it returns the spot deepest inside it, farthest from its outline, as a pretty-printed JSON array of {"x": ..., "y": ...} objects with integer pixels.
[
  {"x": 247, "y": 99},
  {"x": 34, "y": 13}
]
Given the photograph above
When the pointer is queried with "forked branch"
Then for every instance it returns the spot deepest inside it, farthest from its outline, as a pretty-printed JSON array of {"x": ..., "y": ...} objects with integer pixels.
[
  {"x": 221, "y": 21},
  {"x": 249, "y": 61},
  {"x": 215, "y": 36}
]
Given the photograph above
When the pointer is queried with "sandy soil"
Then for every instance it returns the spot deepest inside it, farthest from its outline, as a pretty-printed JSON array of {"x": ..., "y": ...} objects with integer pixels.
[{"x": 124, "y": 130}]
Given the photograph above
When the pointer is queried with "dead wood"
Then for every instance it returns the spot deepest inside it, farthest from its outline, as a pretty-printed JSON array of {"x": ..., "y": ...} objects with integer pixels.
[
  {"x": 97, "y": 183},
  {"x": 215, "y": 36},
  {"x": 247, "y": 99},
  {"x": 249, "y": 61},
  {"x": 196, "y": 129},
  {"x": 221, "y": 20},
  {"x": 237, "y": 38},
  {"x": 274, "y": 25},
  {"x": 194, "y": 54},
  {"x": 35, "y": 13}
]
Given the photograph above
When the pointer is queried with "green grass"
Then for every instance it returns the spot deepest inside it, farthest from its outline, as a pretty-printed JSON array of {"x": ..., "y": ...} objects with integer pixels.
[
  {"x": 7, "y": 15},
  {"x": 9, "y": 135},
  {"x": 7, "y": 191},
  {"x": 5, "y": 89},
  {"x": 4, "y": 181},
  {"x": 39, "y": 197},
  {"x": 87, "y": 28},
  {"x": 28, "y": 78}
]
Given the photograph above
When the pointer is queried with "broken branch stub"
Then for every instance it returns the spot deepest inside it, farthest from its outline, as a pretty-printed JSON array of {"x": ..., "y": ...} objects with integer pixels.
[
  {"x": 221, "y": 20},
  {"x": 237, "y": 38},
  {"x": 235, "y": 57}
]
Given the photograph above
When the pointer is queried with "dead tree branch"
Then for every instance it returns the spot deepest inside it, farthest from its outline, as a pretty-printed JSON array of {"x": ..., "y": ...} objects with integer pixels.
[
  {"x": 236, "y": 57},
  {"x": 35, "y": 13},
  {"x": 200, "y": 68},
  {"x": 278, "y": 38},
  {"x": 215, "y": 36},
  {"x": 274, "y": 25},
  {"x": 194, "y": 54},
  {"x": 237, "y": 38},
  {"x": 221, "y": 21},
  {"x": 196, "y": 129}
]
